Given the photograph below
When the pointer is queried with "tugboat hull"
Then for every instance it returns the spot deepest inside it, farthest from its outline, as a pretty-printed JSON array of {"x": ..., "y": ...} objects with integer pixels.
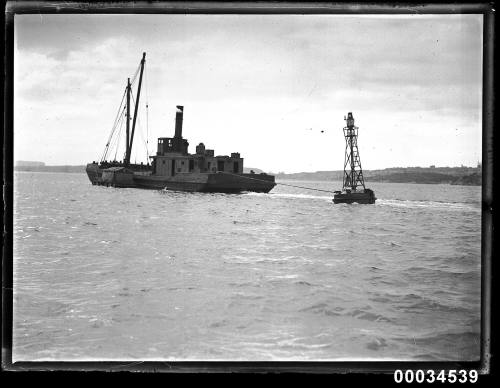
[
  {"x": 236, "y": 183},
  {"x": 208, "y": 182}
]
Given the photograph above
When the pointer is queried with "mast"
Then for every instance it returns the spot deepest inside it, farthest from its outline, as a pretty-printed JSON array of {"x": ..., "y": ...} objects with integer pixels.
[
  {"x": 354, "y": 176},
  {"x": 126, "y": 161},
  {"x": 136, "y": 106}
]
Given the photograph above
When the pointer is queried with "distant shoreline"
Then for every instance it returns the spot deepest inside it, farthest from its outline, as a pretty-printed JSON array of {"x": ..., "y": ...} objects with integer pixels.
[
  {"x": 79, "y": 169},
  {"x": 465, "y": 176}
]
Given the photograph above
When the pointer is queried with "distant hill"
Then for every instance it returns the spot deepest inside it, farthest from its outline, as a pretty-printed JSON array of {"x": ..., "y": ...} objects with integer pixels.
[
  {"x": 313, "y": 176},
  {"x": 413, "y": 177},
  {"x": 453, "y": 171},
  {"x": 468, "y": 176},
  {"x": 44, "y": 168},
  {"x": 24, "y": 163},
  {"x": 469, "y": 180}
]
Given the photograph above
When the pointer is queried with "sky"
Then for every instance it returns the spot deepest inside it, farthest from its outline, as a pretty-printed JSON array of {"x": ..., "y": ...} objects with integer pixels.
[{"x": 275, "y": 88}]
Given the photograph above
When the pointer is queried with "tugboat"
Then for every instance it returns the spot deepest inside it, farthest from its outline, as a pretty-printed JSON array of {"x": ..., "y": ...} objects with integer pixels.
[
  {"x": 176, "y": 169},
  {"x": 173, "y": 168},
  {"x": 353, "y": 186}
]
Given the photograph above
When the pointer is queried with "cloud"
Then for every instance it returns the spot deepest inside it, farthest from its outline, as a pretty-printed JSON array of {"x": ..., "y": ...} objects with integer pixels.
[{"x": 274, "y": 75}]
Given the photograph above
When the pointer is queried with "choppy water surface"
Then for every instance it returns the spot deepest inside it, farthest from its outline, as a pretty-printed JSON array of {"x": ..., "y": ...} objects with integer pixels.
[{"x": 103, "y": 273}]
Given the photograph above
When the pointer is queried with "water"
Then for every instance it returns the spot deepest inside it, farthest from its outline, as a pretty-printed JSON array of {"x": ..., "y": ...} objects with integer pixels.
[{"x": 128, "y": 274}]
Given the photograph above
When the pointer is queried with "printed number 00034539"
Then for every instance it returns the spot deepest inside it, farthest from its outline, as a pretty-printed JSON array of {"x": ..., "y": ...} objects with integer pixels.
[{"x": 431, "y": 376}]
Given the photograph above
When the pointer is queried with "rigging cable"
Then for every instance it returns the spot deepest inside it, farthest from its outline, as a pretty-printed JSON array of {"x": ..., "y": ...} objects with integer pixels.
[
  {"x": 118, "y": 116},
  {"x": 112, "y": 143},
  {"x": 282, "y": 184},
  {"x": 119, "y": 135},
  {"x": 135, "y": 75},
  {"x": 110, "y": 138},
  {"x": 140, "y": 132}
]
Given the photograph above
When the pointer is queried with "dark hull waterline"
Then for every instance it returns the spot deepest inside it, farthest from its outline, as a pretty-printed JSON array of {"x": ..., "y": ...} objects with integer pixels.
[{"x": 219, "y": 182}]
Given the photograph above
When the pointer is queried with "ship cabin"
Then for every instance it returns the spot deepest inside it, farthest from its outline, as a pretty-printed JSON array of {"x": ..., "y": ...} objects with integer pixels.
[{"x": 172, "y": 156}]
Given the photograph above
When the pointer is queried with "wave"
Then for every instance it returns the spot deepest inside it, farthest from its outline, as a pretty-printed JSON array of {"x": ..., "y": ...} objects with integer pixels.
[
  {"x": 369, "y": 316},
  {"x": 323, "y": 309},
  {"x": 417, "y": 272},
  {"x": 411, "y": 204},
  {"x": 466, "y": 337},
  {"x": 412, "y": 303},
  {"x": 363, "y": 314},
  {"x": 292, "y": 196},
  {"x": 376, "y": 344},
  {"x": 429, "y": 204},
  {"x": 304, "y": 283}
]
